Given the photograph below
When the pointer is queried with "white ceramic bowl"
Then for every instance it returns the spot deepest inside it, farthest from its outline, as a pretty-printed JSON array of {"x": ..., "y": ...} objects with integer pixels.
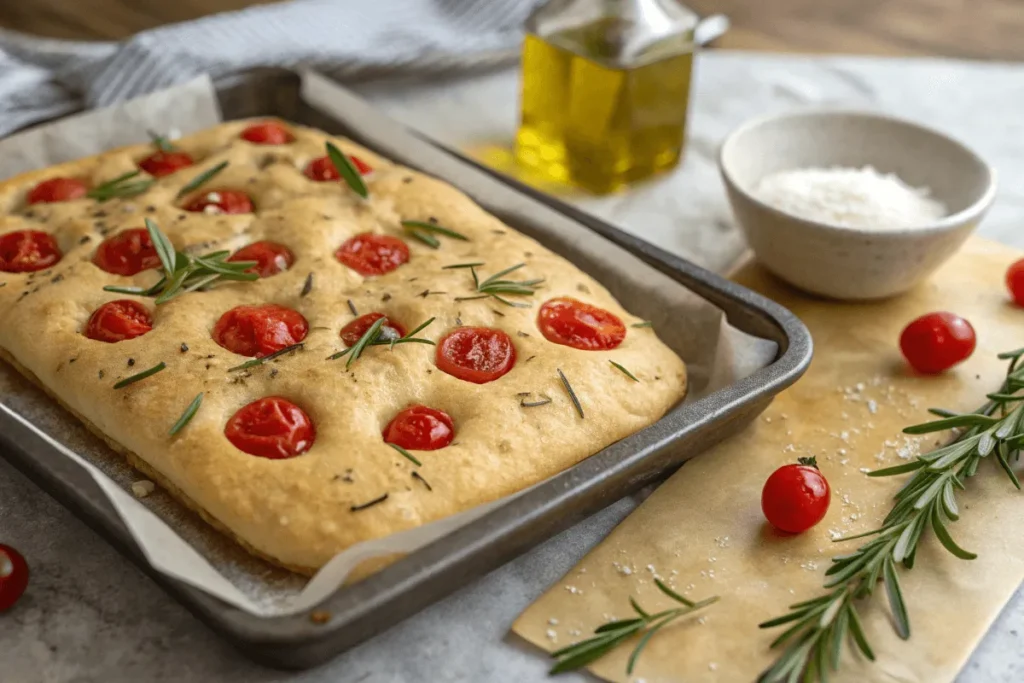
[{"x": 843, "y": 262}]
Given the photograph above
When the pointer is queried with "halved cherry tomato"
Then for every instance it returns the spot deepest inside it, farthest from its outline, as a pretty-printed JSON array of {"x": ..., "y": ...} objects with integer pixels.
[
  {"x": 937, "y": 341},
  {"x": 220, "y": 201},
  {"x": 25, "y": 251},
  {"x": 271, "y": 258},
  {"x": 353, "y": 332},
  {"x": 1015, "y": 281},
  {"x": 267, "y": 133},
  {"x": 322, "y": 169},
  {"x": 271, "y": 427},
  {"x": 161, "y": 163},
  {"x": 13, "y": 576},
  {"x": 420, "y": 428},
  {"x": 372, "y": 254},
  {"x": 259, "y": 330},
  {"x": 127, "y": 253},
  {"x": 476, "y": 354},
  {"x": 57, "y": 190},
  {"x": 573, "y": 323},
  {"x": 796, "y": 496},
  {"x": 117, "y": 321}
]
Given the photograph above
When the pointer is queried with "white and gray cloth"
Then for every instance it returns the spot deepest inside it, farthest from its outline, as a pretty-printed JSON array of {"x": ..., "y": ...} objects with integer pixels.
[{"x": 345, "y": 39}]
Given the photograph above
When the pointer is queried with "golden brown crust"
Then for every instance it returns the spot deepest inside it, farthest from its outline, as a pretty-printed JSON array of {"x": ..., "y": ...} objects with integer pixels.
[{"x": 298, "y": 512}]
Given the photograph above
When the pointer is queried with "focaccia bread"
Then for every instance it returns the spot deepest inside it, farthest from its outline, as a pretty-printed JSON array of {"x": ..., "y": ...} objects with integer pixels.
[{"x": 300, "y": 477}]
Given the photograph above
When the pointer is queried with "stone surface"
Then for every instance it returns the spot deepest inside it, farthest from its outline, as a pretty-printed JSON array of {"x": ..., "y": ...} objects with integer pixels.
[{"x": 90, "y": 615}]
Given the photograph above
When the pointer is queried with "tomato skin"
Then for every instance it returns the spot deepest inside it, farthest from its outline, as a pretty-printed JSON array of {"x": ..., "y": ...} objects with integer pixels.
[
  {"x": 127, "y": 253},
  {"x": 353, "y": 331},
  {"x": 419, "y": 428},
  {"x": 271, "y": 258},
  {"x": 221, "y": 201},
  {"x": 271, "y": 427},
  {"x": 13, "y": 576},
  {"x": 475, "y": 354},
  {"x": 117, "y": 321},
  {"x": 259, "y": 331},
  {"x": 796, "y": 497},
  {"x": 26, "y": 251},
  {"x": 322, "y": 169},
  {"x": 57, "y": 190},
  {"x": 267, "y": 133},
  {"x": 161, "y": 163},
  {"x": 570, "y": 322},
  {"x": 937, "y": 341},
  {"x": 1015, "y": 281},
  {"x": 371, "y": 254}
]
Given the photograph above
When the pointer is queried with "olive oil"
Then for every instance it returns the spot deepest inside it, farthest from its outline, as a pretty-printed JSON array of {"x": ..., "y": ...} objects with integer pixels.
[{"x": 601, "y": 109}]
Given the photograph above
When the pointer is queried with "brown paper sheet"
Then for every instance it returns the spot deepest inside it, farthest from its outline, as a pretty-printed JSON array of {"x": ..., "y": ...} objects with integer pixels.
[{"x": 703, "y": 531}]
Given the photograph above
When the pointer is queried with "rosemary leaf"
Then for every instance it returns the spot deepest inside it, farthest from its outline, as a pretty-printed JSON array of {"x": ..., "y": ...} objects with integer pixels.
[
  {"x": 120, "y": 187},
  {"x": 161, "y": 142},
  {"x": 644, "y": 323},
  {"x": 572, "y": 394},
  {"x": 405, "y": 454},
  {"x": 476, "y": 264},
  {"x": 269, "y": 357},
  {"x": 624, "y": 371},
  {"x": 426, "y": 238},
  {"x": 187, "y": 416},
  {"x": 201, "y": 179},
  {"x": 422, "y": 226},
  {"x": 368, "y": 337},
  {"x": 348, "y": 172},
  {"x": 162, "y": 245},
  {"x": 141, "y": 376}
]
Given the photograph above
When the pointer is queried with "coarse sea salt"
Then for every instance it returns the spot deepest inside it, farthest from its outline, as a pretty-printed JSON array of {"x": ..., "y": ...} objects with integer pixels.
[{"x": 851, "y": 197}]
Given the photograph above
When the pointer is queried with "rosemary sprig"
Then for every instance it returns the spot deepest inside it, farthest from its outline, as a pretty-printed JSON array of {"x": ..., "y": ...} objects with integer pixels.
[
  {"x": 187, "y": 416},
  {"x": 423, "y": 232},
  {"x": 495, "y": 285},
  {"x": 374, "y": 337},
  {"x": 161, "y": 142},
  {"x": 269, "y": 357},
  {"x": 141, "y": 376},
  {"x": 121, "y": 187},
  {"x": 405, "y": 453},
  {"x": 643, "y": 323},
  {"x": 201, "y": 179},
  {"x": 624, "y": 371},
  {"x": 185, "y": 273},
  {"x": 819, "y": 627},
  {"x": 572, "y": 394},
  {"x": 610, "y": 635},
  {"x": 347, "y": 170}
]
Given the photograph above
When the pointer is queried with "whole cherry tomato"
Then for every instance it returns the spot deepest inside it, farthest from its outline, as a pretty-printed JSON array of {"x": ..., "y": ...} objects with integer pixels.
[
  {"x": 937, "y": 341},
  {"x": 13, "y": 576},
  {"x": 796, "y": 496},
  {"x": 1015, "y": 281}
]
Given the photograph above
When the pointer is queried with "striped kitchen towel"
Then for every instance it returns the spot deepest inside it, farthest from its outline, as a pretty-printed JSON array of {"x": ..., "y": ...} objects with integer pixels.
[{"x": 345, "y": 39}]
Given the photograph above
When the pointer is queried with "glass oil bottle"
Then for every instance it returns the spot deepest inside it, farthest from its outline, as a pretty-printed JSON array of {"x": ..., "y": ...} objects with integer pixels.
[{"x": 605, "y": 92}]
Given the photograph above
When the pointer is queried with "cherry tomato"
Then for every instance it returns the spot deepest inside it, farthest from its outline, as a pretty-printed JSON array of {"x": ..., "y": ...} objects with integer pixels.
[
  {"x": 267, "y": 133},
  {"x": 937, "y": 341},
  {"x": 322, "y": 169},
  {"x": 271, "y": 258},
  {"x": 796, "y": 496},
  {"x": 371, "y": 254},
  {"x": 573, "y": 323},
  {"x": 127, "y": 253},
  {"x": 476, "y": 354},
  {"x": 420, "y": 428},
  {"x": 161, "y": 163},
  {"x": 1015, "y": 281},
  {"x": 271, "y": 427},
  {"x": 220, "y": 201},
  {"x": 259, "y": 330},
  {"x": 117, "y": 321},
  {"x": 13, "y": 576},
  {"x": 57, "y": 190},
  {"x": 25, "y": 251},
  {"x": 353, "y": 332}
]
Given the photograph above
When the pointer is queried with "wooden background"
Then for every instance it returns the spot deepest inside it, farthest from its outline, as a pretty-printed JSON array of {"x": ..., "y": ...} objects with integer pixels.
[{"x": 978, "y": 29}]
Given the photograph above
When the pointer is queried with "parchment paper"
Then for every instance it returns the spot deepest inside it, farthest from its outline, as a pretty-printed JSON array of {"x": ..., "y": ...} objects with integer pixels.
[
  {"x": 704, "y": 533},
  {"x": 174, "y": 540}
]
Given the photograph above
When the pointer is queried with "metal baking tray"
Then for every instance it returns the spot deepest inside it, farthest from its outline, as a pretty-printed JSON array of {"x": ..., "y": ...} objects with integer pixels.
[{"x": 362, "y": 610}]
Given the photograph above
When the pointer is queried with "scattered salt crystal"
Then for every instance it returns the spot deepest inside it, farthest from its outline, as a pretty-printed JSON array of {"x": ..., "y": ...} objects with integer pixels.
[
  {"x": 872, "y": 407},
  {"x": 553, "y": 621},
  {"x": 846, "y": 499},
  {"x": 835, "y": 534},
  {"x": 809, "y": 566},
  {"x": 712, "y": 666},
  {"x": 650, "y": 568},
  {"x": 702, "y": 620},
  {"x": 211, "y": 209},
  {"x": 141, "y": 489},
  {"x": 860, "y": 386},
  {"x": 574, "y": 632},
  {"x": 865, "y": 470},
  {"x": 550, "y": 633}
]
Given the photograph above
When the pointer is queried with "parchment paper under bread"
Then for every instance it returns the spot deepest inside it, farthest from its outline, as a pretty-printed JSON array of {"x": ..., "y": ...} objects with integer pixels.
[
  {"x": 704, "y": 533},
  {"x": 175, "y": 540}
]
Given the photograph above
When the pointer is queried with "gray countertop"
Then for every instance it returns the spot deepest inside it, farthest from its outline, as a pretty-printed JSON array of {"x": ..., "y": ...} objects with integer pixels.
[{"x": 90, "y": 615}]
